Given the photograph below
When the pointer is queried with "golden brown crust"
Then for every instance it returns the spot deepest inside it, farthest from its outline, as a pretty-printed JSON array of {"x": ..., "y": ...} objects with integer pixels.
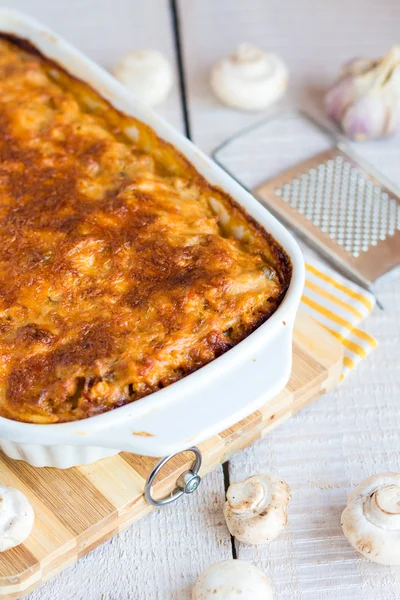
[{"x": 121, "y": 269}]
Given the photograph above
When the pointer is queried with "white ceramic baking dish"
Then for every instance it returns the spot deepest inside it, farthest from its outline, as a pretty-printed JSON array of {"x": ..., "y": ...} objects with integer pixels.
[{"x": 207, "y": 401}]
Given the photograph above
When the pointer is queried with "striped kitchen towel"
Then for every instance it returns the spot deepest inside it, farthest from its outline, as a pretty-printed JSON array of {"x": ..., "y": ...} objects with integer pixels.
[{"x": 339, "y": 305}]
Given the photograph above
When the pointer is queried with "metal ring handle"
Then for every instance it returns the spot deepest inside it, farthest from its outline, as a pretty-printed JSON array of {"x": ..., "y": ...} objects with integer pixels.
[{"x": 187, "y": 482}]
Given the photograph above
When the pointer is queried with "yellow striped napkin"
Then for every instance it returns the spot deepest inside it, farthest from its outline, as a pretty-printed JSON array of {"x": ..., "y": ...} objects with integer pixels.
[{"x": 339, "y": 305}]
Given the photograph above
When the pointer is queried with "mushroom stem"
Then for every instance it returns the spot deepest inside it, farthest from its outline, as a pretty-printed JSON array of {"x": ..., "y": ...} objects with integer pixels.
[
  {"x": 256, "y": 508},
  {"x": 383, "y": 507},
  {"x": 371, "y": 519}
]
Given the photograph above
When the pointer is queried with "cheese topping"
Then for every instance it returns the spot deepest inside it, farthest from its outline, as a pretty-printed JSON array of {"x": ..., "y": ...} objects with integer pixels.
[{"x": 121, "y": 269}]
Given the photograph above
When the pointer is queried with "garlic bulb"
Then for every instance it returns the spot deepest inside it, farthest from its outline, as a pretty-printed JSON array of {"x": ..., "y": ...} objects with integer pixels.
[
  {"x": 249, "y": 79},
  {"x": 256, "y": 508},
  {"x": 365, "y": 101},
  {"x": 371, "y": 519},
  {"x": 16, "y": 517},
  {"x": 147, "y": 74},
  {"x": 231, "y": 580}
]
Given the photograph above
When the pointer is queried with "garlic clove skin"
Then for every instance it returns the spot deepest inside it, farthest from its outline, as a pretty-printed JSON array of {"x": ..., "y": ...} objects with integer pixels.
[
  {"x": 365, "y": 119},
  {"x": 371, "y": 519},
  {"x": 232, "y": 580},
  {"x": 147, "y": 74},
  {"x": 365, "y": 101},
  {"x": 256, "y": 508},
  {"x": 249, "y": 79},
  {"x": 339, "y": 98},
  {"x": 16, "y": 518}
]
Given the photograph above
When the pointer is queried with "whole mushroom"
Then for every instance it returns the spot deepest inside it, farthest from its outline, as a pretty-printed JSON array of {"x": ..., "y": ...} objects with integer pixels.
[
  {"x": 16, "y": 517},
  {"x": 249, "y": 79},
  {"x": 232, "y": 580},
  {"x": 371, "y": 519},
  {"x": 256, "y": 508},
  {"x": 147, "y": 74}
]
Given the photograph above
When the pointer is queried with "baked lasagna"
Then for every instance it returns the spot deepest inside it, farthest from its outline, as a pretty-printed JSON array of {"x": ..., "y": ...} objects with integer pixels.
[{"x": 121, "y": 269}]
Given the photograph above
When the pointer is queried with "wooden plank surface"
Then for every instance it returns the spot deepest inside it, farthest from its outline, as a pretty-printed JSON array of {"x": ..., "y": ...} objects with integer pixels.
[
  {"x": 353, "y": 431},
  {"x": 78, "y": 509},
  {"x": 160, "y": 556}
]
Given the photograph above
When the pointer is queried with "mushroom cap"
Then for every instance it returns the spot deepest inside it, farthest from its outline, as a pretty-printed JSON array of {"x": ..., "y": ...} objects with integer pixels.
[
  {"x": 256, "y": 508},
  {"x": 249, "y": 79},
  {"x": 147, "y": 74},
  {"x": 371, "y": 519},
  {"x": 16, "y": 517},
  {"x": 232, "y": 580}
]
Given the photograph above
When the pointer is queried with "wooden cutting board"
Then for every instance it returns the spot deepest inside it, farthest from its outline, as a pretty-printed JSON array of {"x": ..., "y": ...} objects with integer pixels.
[{"x": 78, "y": 509}]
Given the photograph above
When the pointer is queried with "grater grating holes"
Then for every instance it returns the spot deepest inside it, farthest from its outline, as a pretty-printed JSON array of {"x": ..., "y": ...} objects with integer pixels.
[{"x": 338, "y": 199}]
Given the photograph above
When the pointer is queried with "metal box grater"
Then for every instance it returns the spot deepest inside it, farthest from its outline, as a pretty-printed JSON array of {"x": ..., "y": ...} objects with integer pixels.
[
  {"x": 344, "y": 210},
  {"x": 343, "y": 207}
]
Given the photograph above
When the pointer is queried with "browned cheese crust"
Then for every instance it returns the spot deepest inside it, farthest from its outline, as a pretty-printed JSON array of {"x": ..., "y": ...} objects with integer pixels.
[{"x": 121, "y": 269}]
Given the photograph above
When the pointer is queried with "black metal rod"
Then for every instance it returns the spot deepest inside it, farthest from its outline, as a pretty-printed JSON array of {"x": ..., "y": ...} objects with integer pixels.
[{"x": 180, "y": 67}]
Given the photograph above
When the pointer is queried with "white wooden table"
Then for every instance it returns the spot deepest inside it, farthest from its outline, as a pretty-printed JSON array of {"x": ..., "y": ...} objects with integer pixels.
[{"x": 347, "y": 435}]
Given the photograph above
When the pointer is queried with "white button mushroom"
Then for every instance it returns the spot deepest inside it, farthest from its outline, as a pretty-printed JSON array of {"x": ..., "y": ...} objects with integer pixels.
[
  {"x": 232, "y": 580},
  {"x": 249, "y": 79},
  {"x": 371, "y": 519},
  {"x": 147, "y": 74},
  {"x": 16, "y": 517},
  {"x": 256, "y": 508}
]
